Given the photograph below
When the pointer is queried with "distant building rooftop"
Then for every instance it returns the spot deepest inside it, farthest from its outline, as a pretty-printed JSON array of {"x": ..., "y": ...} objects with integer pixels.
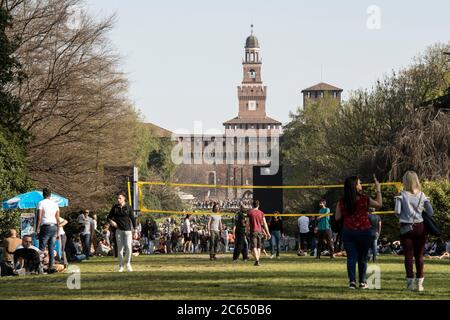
[
  {"x": 322, "y": 87},
  {"x": 266, "y": 120}
]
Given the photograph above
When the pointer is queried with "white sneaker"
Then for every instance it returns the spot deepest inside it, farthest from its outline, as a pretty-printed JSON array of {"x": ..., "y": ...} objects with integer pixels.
[
  {"x": 272, "y": 256},
  {"x": 129, "y": 268},
  {"x": 120, "y": 269},
  {"x": 419, "y": 284}
]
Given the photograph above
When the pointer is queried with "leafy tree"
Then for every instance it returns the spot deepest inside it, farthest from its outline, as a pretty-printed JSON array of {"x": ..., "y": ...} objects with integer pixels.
[
  {"x": 439, "y": 194},
  {"x": 13, "y": 173},
  {"x": 153, "y": 157},
  {"x": 386, "y": 130},
  {"x": 307, "y": 157}
]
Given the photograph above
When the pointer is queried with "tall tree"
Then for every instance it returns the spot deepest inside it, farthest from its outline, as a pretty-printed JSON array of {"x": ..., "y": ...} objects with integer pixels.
[
  {"x": 13, "y": 173},
  {"x": 75, "y": 97}
]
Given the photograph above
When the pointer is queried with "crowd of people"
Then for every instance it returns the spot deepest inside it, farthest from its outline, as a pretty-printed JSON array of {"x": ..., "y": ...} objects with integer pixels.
[
  {"x": 20, "y": 256},
  {"x": 308, "y": 242},
  {"x": 228, "y": 205},
  {"x": 353, "y": 231},
  {"x": 187, "y": 235}
]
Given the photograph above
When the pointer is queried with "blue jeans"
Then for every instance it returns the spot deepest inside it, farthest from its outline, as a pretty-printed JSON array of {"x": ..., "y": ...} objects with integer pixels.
[
  {"x": 357, "y": 244},
  {"x": 275, "y": 241},
  {"x": 47, "y": 236},
  {"x": 80, "y": 257},
  {"x": 63, "y": 240},
  {"x": 374, "y": 247},
  {"x": 86, "y": 242},
  {"x": 314, "y": 241},
  {"x": 225, "y": 242}
]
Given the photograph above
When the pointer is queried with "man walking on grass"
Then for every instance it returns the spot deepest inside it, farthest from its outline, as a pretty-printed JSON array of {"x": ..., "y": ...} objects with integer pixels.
[
  {"x": 240, "y": 241},
  {"x": 121, "y": 218},
  {"x": 258, "y": 230},
  {"x": 86, "y": 224}
]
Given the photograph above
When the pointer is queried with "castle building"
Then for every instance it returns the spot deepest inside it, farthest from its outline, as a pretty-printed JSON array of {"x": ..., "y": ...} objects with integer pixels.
[{"x": 235, "y": 167}]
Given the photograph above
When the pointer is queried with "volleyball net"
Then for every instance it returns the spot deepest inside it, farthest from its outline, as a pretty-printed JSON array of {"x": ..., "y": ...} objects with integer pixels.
[{"x": 143, "y": 209}]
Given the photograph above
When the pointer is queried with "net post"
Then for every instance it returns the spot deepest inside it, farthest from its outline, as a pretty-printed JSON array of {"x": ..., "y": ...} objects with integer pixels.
[{"x": 136, "y": 202}]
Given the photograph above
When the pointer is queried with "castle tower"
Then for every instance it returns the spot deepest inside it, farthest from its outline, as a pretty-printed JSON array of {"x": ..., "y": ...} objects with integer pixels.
[
  {"x": 319, "y": 91},
  {"x": 252, "y": 94}
]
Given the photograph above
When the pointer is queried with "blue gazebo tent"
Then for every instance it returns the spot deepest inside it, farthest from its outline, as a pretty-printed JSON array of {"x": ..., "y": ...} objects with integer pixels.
[{"x": 30, "y": 200}]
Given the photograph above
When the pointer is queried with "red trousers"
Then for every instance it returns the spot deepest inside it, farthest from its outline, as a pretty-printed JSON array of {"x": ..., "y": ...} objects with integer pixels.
[{"x": 413, "y": 244}]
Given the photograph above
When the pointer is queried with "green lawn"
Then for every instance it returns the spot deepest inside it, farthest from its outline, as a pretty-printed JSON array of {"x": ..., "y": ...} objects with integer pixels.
[{"x": 185, "y": 277}]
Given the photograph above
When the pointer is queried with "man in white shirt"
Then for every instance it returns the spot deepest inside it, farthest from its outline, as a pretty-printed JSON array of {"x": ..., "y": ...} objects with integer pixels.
[
  {"x": 303, "y": 228},
  {"x": 186, "y": 229},
  {"x": 48, "y": 225}
]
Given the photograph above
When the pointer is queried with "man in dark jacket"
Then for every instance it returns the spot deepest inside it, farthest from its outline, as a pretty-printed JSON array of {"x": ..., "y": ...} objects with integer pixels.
[
  {"x": 239, "y": 230},
  {"x": 121, "y": 218}
]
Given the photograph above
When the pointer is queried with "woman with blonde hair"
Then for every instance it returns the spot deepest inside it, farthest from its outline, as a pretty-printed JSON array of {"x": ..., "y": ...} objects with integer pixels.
[{"x": 409, "y": 206}]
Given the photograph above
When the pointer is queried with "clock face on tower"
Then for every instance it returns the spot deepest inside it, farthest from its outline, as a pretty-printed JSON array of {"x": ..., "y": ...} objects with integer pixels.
[{"x": 252, "y": 74}]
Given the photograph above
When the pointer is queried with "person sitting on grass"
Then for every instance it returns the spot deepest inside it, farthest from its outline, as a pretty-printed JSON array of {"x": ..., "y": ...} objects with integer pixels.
[
  {"x": 103, "y": 248},
  {"x": 106, "y": 234},
  {"x": 136, "y": 244},
  {"x": 385, "y": 246},
  {"x": 74, "y": 250},
  {"x": 440, "y": 247},
  {"x": 10, "y": 245},
  {"x": 58, "y": 266},
  {"x": 27, "y": 258},
  {"x": 340, "y": 254},
  {"x": 397, "y": 248},
  {"x": 162, "y": 248},
  {"x": 445, "y": 255}
]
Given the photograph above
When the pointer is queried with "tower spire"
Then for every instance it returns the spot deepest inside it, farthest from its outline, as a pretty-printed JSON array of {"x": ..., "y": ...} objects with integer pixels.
[{"x": 251, "y": 26}]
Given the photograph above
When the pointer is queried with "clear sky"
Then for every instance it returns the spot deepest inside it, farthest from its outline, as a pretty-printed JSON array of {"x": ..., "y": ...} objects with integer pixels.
[{"x": 183, "y": 57}]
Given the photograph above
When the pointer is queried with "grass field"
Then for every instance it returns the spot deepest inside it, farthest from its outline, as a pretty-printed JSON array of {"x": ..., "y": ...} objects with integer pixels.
[{"x": 185, "y": 277}]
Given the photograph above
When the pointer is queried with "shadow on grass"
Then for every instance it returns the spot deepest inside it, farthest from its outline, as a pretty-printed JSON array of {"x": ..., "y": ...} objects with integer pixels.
[{"x": 195, "y": 277}]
